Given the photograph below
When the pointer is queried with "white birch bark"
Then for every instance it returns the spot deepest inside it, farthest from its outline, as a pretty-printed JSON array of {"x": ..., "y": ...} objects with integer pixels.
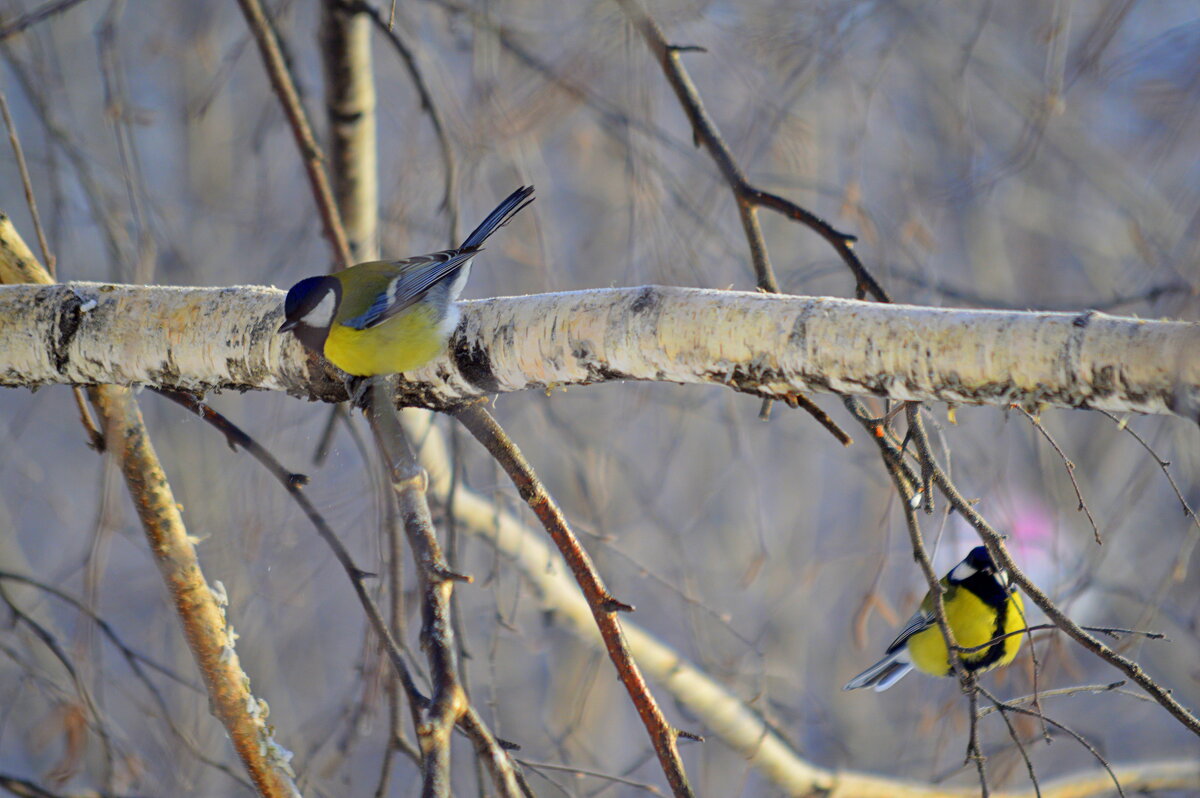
[{"x": 769, "y": 345}]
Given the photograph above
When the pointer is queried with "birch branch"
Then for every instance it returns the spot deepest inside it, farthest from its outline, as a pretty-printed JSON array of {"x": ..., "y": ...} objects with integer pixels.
[{"x": 768, "y": 345}]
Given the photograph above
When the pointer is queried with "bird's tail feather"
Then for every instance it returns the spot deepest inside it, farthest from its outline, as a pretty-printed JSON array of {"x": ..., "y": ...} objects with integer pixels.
[
  {"x": 883, "y": 674},
  {"x": 499, "y": 217}
]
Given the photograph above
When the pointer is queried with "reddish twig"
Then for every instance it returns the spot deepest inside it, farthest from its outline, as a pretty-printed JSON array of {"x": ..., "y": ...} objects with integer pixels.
[{"x": 603, "y": 605}]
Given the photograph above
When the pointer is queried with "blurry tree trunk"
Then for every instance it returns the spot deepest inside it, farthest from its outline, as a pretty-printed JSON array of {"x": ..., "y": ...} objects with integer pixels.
[{"x": 350, "y": 106}]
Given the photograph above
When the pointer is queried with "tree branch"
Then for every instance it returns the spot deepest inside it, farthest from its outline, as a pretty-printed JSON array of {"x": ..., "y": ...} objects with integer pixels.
[{"x": 770, "y": 346}]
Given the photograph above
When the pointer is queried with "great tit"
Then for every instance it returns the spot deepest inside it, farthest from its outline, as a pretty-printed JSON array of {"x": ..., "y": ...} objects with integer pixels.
[
  {"x": 384, "y": 317},
  {"x": 981, "y": 605}
]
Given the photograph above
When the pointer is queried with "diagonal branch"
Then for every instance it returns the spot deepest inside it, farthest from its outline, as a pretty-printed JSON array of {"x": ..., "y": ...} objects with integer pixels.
[
  {"x": 749, "y": 197},
  {"x": 603, "y": 605},
  {"x": 200, "y": 609}
]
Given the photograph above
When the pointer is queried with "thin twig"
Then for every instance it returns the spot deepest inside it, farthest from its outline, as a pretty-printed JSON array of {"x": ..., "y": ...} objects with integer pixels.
[
  {"x": 1076, "y": 735},
  {"x": 310, "y": 150},
  {"x": 1070, "y": 467},
  {"x": 39, "y": 14},
  {"x": 1164, "y": 465},
  {"x": 603, "y": 605},
  {"x": 1067, "y": 691},
  {"x": 294, "y": 483},
  {"x": 1016, "y": 738},
  {"x": 1106, "y": 630},
  {"x": 748, "y": 198},
  {"x": 27, "y": 184},
  {"x": 135, "y": 661}
]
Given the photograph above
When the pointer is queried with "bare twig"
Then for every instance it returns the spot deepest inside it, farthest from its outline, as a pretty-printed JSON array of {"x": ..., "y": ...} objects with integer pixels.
[
  {"x": 1070, "y": 467},
  {"x": 603, "y": 605},
  {"x": 1016, "y": 738},
  {"x": 748, "y": 198},
  {"x": 1090, "y": 689},
  {"x": 1105, "y": 630},
  {"x": 1007, "y": 707},
  {"x": 1163, "y": 464},
  {"x": 138, "y": 663},
  {"x": 27, "y": 184},
  {"x": 39, "y": 14},
  {"x": 310, "y": 150}
]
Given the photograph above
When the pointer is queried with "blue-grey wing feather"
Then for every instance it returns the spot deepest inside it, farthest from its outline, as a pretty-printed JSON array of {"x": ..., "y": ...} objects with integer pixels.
[
  {"x": 416, "y": 276},
  {"x": 919, "y": 622}
]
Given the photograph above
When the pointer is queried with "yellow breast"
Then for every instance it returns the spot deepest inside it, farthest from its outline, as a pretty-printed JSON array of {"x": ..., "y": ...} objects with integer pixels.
[
  {"x": 973, "y": 624},
  {"x": 405, "y": 342}
]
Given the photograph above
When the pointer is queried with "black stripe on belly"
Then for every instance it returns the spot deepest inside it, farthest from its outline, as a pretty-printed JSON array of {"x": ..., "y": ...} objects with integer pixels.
[{"x": 994, "y": 652}]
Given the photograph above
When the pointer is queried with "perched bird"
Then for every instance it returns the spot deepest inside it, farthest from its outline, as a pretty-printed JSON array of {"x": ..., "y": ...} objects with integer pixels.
[
  {"x": 980, "y": 605},
  {"x": 383, "y": 317}
]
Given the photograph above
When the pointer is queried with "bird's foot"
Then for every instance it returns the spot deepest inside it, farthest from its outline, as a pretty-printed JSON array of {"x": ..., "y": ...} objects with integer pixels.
[{"x": 358, "y": 390}]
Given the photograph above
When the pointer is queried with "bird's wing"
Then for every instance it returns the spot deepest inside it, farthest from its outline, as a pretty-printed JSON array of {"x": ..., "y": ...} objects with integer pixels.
[
  {"x": 414, "y": 277},
  {"x": 921, "y": 620}
]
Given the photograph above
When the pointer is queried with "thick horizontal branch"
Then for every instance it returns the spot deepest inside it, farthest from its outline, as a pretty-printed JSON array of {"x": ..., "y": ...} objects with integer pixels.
[{"x": 767, "y": 345}]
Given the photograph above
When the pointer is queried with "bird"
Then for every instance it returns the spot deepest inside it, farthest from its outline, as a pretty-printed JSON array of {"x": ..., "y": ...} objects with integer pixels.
[
  {"x": 385, "y": 317},
  {"x": 981, "y": 605}
]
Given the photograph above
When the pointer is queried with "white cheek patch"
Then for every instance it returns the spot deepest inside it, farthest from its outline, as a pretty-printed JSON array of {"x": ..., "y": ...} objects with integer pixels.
[
  {"x": 962, "y": 572},
  {"x": 322, "y": 314}
]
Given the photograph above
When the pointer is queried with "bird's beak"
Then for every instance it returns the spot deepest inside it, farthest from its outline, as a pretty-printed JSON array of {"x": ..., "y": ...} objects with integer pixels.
[{"x": 290, "y": 324}]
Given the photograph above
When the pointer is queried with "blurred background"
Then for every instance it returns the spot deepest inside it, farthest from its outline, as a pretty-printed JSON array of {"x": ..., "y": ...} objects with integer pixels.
[{"x": 1023, "y": 154}]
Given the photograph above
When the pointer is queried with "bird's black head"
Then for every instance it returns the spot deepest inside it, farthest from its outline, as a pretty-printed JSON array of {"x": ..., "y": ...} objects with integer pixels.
[
  {"x": 985, "y": 578},
  {"x": 309, "y": 309}
]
